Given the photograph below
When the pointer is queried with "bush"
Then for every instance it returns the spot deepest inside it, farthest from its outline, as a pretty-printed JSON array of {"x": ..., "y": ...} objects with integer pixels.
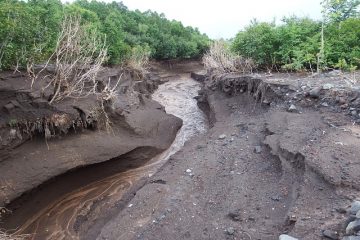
[
  {"x": 295, "y": 44},
  {"x": 258, "y": 41}
]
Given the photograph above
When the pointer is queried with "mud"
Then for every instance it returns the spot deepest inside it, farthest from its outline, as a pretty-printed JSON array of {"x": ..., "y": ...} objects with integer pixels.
[
  {"x": 281, "y": 157},
  {"x": 76, "y": 205}
]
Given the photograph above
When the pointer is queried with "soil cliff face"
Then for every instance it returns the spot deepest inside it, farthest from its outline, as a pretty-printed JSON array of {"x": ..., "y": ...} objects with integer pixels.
[{"x": 40, "y": 141}]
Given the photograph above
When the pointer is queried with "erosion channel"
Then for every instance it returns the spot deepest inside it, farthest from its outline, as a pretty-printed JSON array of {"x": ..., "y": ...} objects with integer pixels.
[{"x": 58, "y": 211}]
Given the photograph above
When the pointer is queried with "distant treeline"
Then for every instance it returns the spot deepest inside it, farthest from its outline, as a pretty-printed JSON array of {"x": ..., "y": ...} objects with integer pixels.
[
  {"x": 303, "y": 43},
  {"x": 29, "y": 31}
]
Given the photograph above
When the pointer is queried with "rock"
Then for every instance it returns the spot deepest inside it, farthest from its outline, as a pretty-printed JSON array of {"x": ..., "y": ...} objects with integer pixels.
[
  {"x": 257, "y": 149},
  {"x": 200, "y": 146},
  {"x": 286, "y": 237},
  {"x": 351, "y": 238},
  {"x": 222, "y": 136},
  {"x": 275, "y": 198},
  {"x": 330, "y": 234},
  {"x": 358, "y": 214},
  {"x": 353, "y": 227},
  {"x": 315, "y": 92},
  {"x": 354, "y": 113},
  {"x": 328, "y": 86},
  {"x": 292, "y": 108},
  {"x": 9, "y": 107},
  {"x": 13, "y": 134},
  {"x": 355, "y": 207},
  {"x": 230, "y": 231},
  {"x": 344, "y": 106},
  {"x": 188, "y": 170},
  {"x": 235, "y": 216},
  {"x": 342, "y": 100},
  {"x": 324, "y": 104},
  {"x": 350, "y": 219}
]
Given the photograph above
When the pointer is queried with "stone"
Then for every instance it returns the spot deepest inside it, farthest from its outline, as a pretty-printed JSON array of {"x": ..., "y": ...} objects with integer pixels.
[
  {"x": 358, "y": 215},
  {"x": 351, "y": 238},
  {"x": 222, "y": 136},
  {"x": 235, "y": 216},
  {"x": 9, "y": 107},
  {"x": 13, "y": 134},
  {"x": 324, "y": 104},
  {"x": 286, "y": 237},
  {"x": 342, "y": 100},
  {"x": 353, "y": 227},
  {"x": 328, "y": 86},
  {"x": 188, "y": 170},
  {"x": 257, "y": 149},
  {"x": 230, "y": 231},
  {"x": 330, "y": 234},
  {"x": 355, "y": 207},
  {"x": 354, "y": 113},
  {"x": 292, "y": 108},
  {"x": 315, "y": 92},
  {"x": 344, "y": 106}
]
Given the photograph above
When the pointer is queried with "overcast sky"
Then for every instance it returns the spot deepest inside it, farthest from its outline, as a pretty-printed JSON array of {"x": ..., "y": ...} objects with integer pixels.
[{"x": 224, "y": 18}]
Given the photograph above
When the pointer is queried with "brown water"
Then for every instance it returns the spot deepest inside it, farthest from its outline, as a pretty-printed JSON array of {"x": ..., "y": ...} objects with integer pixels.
[{"x": 103, "y": 186}]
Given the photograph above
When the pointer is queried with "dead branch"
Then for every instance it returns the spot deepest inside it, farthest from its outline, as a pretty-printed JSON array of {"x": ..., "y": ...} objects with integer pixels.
[{"x": 78, "y": 58}]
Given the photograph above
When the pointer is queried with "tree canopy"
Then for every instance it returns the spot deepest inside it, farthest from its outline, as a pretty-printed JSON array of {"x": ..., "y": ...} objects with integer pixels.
[
  {"x": 303, "y": 43},
  {"x": 29, "y": 31}
]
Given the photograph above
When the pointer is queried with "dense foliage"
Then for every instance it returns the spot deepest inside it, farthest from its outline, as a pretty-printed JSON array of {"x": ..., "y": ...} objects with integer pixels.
[
  {"x": 29, "y": 31},
  {"x": 297, "y": 44}
]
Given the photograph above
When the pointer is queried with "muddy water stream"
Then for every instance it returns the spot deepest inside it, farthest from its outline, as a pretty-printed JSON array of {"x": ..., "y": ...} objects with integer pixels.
[{"x": 101, "y": 186}]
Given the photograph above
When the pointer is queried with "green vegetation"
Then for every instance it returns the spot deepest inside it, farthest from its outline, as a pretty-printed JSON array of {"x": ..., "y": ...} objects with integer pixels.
[
  {"x": 29, "y": 31},
  {"x": 305, "y": 44}
]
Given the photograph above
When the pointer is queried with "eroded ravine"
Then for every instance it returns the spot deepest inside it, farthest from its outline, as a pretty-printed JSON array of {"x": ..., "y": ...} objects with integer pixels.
[{"x": 67, "y": 216}]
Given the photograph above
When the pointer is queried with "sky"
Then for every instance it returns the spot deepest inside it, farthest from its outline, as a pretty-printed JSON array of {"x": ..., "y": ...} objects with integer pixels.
[{"x": 224, "y": 18}]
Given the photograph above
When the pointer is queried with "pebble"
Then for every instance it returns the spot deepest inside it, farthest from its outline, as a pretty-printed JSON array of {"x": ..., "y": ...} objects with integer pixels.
[
  {"x": 328, "y": 86},
  {"x": 222, "y": 136},
  {"x": 292, "y": 108},
  {"x": 230, "y": 231},
  {"x": 257, "y": 149},
  {"x": 358, "y": 214},
  {"x": 351, "y": 238},
  {"x": 188, "y": 170},
  {"x": 315, "y": 92},
  {"x": 355, "y": 207},
  {"x": 286, "y": 237},
  {"x": 325, "y": 104},
  {"x": 330, "y": 234}
]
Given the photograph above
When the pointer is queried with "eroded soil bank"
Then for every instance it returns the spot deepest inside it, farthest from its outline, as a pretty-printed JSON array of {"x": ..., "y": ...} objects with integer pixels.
[
  {"x": 282, "y": 156},
  {"x": 265, "y": 168},
  {"x": 77, "y": 204}
]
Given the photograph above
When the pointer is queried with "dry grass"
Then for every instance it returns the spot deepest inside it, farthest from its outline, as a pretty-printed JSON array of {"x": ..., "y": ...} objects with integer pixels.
[
  {"x": 220, "y": 59},
  {"x": 78, "y": 58},
  {"x": 138, "y": 62}
]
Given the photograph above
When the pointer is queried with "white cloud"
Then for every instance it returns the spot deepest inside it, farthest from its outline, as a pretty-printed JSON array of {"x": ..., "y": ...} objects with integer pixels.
[{"x": 226, "y": 17}]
